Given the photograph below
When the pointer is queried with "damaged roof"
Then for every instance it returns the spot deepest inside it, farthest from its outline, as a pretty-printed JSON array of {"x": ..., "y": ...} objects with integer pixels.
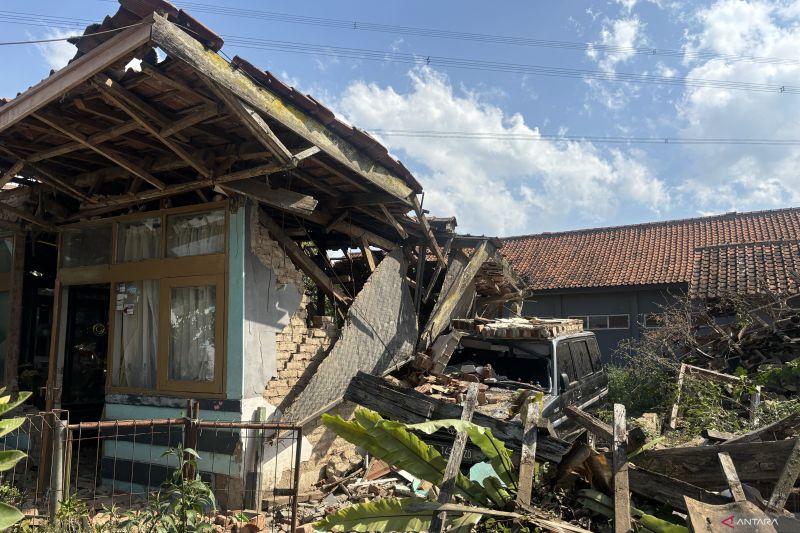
[
  {"x": 642, "y": 254},
  {"x": 746, "y": 268}
]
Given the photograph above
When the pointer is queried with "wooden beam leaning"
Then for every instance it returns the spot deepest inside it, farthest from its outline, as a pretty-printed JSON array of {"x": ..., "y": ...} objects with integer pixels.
[
  {"x": 176, "y": 43},
  {"x": 251, "y": 120},
  {"x": 622, "y": 496},
  {"x": 368, "y": 254},
  {"x": 453, "y": 467},
  {"x": 447, "y": 302},
  {"x": 729, "y": 471},
  {"x": 30, "y": 217},
  {"x": 787, "y": 479},
  {"x": 299, "y": 258},
  {"x": 426, "y": 229},
  {"x": 527, "y": 461},
  {"x": 130, "y": 166},
  {"x": 98, "y": 59},
  {"x": 290, "y": 201},
  {"x": 11, "y": 173},
  {"x": 144, "y": 115},
  {"x": 393, "y": 221}
]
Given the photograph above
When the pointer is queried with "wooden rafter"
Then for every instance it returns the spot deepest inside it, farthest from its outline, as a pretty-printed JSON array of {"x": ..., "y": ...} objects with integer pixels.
[
  {"x": 96, "y": 138},
  {"x": 148, "y": 118},
  {"x": 11, "y": 173},
  {"x": 132, "y": 199},
  {"x": 426, "y": 228},
  {"x": 283, "y": 199},
  {"x": 24, "y": 215},
  {"x": 393, "y": 221},
  {"x": 178, "y": 44},
  {"x": 98, "y": 59},
  {"x": 251, "y": 120},
  {"x": 123, "y": 162},
  {"x": 301, "y": 259}
]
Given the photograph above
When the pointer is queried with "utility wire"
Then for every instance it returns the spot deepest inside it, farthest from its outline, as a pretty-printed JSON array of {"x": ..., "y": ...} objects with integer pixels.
[
  {"x": 355, "y": 25},
  {"x": 70, "y": 37},
  {"x": 482, "y": 65},
  {"x": 505, "y": 136}
]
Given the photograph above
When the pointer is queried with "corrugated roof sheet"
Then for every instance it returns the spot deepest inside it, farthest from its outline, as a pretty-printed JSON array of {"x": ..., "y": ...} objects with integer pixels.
[{"x": 641, "y": 254}]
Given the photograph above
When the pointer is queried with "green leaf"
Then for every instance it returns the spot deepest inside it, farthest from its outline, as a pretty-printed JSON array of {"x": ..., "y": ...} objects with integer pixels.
[
  {"x": 494, "y": 449},
  {"x": 10, "y": 424},
  {"x": 392, "y": 515},
  {"x": 9, "y": 458},
  {"x": 496, "y": 491},
  {"x": 6, "y": 405},
  {"x": 392, "y": 442},
  {"x": 9, "y": 515}
]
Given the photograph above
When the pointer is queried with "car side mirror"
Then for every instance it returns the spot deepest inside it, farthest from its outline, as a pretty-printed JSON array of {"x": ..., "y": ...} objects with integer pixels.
[{"x": 563, "y": 381}]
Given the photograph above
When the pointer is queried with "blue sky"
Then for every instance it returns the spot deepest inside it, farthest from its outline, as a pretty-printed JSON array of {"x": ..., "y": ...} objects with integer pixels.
[{"x": 505, "y": 186}]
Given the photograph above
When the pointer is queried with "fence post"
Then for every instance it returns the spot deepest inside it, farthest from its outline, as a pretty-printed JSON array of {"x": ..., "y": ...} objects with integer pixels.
[
  {"x": 190, "y": 436},
  {"x": 59, "y": 433}
]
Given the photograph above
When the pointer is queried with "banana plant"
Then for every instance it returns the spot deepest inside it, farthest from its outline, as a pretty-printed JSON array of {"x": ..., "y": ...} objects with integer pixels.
[
  {"x": 599, "y": 503},
  {"x": 398, "y": 445},
  {"x": 10, "y": 515}
]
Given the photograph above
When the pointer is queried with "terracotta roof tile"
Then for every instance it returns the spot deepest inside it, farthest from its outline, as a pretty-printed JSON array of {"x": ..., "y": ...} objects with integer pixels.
[{"x": 642, "y": 254}]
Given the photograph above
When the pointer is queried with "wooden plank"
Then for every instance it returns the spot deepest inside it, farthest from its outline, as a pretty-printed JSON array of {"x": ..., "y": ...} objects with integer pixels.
[
  {"x": 437, "y": 272},
  {"x": 393, "y": 221},
  {"x": 302, "y": 155},
  {"x": 98, "y": 59},
  {"x": 781, "y": 429},
  {"x": 364, "y": 199},
  {"x": 24, "y": 215},
  {"x": 527, "y": 461},
  {"x": 673, "y": 415},
  {"x": 151, "y": 120},
  {"x": 777, "y": 501},
  {"x": 411, "y": 407},
  {"x": 299, "y": 258},
  {"x": 192, "y": 117},
  {"x": 95, "y": 138},
  {"x": 177, "y": 44},
  {"x": 422, "y": 251},
  {"x": 252, "y": 121},
  {"x": 290, "y": 201},
  {"x": 11, "y": 173},
  {"x": 668, "y": 490},
  {"x": 426, "y": 230},
  {"x": 754, "y": 464},
  {"x": 454, "y": 461},
  {"x": 705, "y": 518},
  {"x": 592, "y": 424},
  {"x": 114, "y": 157},
  {"x": 622, "y": 496},
  {"x": 368, "y": 254},
  {"x": 729, "y": 471},
  {"x": 449, "y": 298}
]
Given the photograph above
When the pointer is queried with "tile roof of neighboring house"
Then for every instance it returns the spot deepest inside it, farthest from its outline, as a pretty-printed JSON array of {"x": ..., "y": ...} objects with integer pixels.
[
  {"x": 640, "y": 254},
  {"x": 746, "y": 268}
]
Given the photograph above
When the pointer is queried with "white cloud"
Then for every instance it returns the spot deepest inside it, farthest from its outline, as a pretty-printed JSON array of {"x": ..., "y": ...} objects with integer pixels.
[
  {"x": 618, "y": 40},
  {"x": 495, "y": 186},
  {"x": 57, "y": 53},
  {"x": 742, "y": 177}
]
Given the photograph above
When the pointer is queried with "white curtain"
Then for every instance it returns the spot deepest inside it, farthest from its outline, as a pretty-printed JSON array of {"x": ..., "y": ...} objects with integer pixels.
[
  {"x": 199, "y": 234},
  {"x": 139, "y": 240},
  {"x": 192, "y": 338},
  {"x": 138, "y": 336}
]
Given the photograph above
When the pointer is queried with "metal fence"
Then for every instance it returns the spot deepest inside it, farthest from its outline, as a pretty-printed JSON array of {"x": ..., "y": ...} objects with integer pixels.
[{"x": 251, "y": 467}]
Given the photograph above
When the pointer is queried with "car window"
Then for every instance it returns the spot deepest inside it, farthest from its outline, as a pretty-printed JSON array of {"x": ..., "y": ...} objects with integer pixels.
[
  {"x": 594, "y": 353},
  {"x": 565, "y": 363},
  {"x": 580, "y": 357}
]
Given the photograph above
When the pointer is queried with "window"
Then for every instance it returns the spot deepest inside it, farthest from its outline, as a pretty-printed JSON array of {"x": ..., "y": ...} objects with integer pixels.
[
  {"x": 6, "y": 254},
  {"x": 196, "y": 234},
  {"x": 135, "y": 350},
  {"x": 604, "y": 321},
  {"x": 191, "y": 340},
  {"x": 564, "y": 362},
  {"x": 580, "y": 358},
  {"x": 139, "y": 240},
  {"x": 86, "y": 247}
]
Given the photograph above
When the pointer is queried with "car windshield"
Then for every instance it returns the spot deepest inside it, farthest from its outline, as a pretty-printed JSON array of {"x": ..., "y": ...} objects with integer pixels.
[{"x": 522, "y": 361}]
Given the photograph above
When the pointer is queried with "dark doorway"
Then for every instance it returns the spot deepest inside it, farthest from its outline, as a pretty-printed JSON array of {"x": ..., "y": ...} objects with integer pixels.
[{"x": 86, "y": 349}]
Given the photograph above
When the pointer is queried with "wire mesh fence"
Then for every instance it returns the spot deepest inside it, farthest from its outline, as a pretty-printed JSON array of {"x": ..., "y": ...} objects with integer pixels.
[{"x": 117, "y": 466}]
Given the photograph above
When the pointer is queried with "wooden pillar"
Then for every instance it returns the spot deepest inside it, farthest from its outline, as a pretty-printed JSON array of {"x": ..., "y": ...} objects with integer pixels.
[
  {"x": 622, "y": 495},
  {"x": 15, "y": 314}
]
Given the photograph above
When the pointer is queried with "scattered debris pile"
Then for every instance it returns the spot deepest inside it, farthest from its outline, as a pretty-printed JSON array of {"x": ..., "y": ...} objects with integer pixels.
[{"x": 519, "y": 327}]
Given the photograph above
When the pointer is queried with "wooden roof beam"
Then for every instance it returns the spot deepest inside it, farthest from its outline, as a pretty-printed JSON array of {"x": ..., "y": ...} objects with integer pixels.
[
  {"x": 426, "y": 229},
  {"x": 30, "y": 217},
  {"x": 11, "y": 173},
  {"x": 118, "y": 47},
  {"x": 96, "y": 138},
  {"x": 393, "y": 221},
  {"x": 251, "y": 120},
  {"x": 130, "y": 166},
  {"x": 146, "y": 116},
  {"x": 176, "y": 43}
]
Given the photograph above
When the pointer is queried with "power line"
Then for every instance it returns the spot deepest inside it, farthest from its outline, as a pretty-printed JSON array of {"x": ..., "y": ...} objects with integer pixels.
[
  {"x": 356, "y": 25},
  {"x": 506, "y": 136},
  {"x": 473, "y": 64},
  {"x": 71, "y": 37}
]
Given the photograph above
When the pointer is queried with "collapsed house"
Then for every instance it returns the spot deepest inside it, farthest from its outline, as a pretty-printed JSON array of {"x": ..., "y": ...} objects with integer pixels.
[{"x": 175, "y": 225}]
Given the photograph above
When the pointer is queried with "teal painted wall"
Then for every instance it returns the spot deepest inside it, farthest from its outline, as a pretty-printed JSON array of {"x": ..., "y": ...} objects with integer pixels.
[{"x": 237, "y": 241}]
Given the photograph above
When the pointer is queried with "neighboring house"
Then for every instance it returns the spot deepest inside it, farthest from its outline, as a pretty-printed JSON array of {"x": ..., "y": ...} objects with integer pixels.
[{"x": 616, "y": 279}]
